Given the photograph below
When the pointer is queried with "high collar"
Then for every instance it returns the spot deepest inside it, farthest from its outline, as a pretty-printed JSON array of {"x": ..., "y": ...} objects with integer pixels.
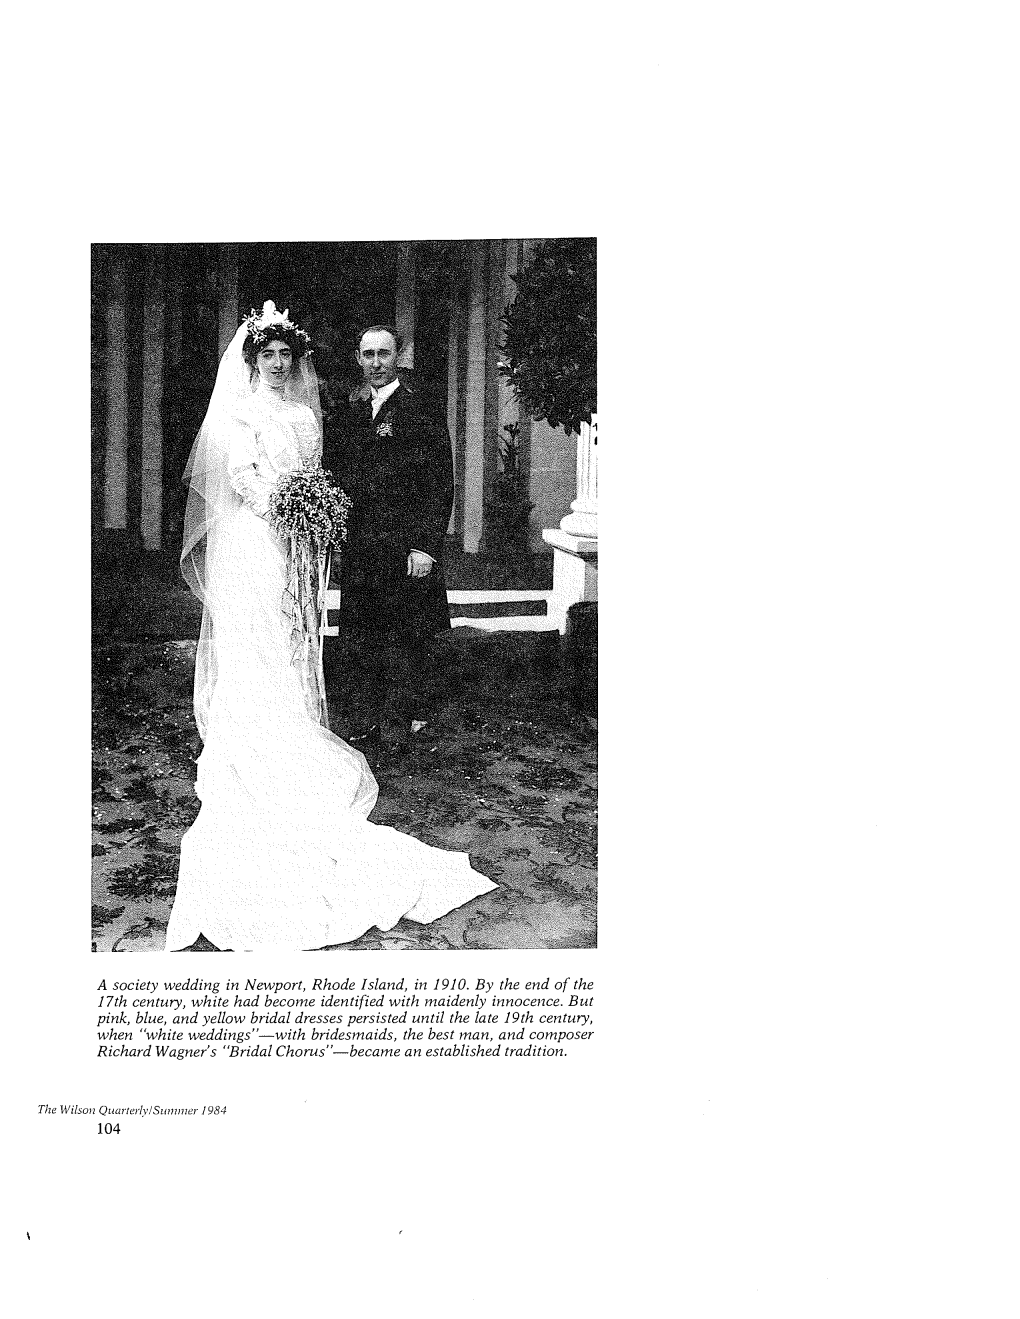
[
  {"x": 379, "y": 396},
  {"x": 273, "y": 398}
]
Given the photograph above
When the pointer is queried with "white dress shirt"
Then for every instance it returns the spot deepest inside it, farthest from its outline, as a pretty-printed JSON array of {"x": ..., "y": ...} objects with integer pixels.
[{"x": 379, "y": 396}]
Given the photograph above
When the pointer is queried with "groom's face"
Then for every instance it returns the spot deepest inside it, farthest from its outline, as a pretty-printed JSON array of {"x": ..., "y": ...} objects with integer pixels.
[{"x": 377, "y": 357}]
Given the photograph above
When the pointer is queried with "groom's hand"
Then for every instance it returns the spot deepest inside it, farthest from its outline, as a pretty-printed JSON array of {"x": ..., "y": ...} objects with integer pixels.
[{"x": 418, "y": 564}]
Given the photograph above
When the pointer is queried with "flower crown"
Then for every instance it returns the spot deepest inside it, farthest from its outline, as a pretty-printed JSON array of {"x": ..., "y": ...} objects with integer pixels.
[{"x": 259, "y": 325}]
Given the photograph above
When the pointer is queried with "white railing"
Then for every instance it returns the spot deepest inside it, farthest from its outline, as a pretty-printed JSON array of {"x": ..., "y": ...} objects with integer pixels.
[{"x": 505, "y": 623}]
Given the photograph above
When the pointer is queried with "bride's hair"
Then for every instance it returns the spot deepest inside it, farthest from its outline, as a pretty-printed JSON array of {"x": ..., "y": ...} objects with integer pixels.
[
  {"x": 295, "y": 339},
  {"x": 269, "y": 326}
]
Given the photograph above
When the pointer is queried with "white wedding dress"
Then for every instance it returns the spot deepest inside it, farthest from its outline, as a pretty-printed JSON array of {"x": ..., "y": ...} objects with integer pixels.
[{"x": 282, "y": 854}]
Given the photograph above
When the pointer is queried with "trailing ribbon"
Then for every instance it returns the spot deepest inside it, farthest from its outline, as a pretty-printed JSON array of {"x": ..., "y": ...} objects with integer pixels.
[
  {"x": 322, "y": 622},
  {"x": 304, "y": 603}
]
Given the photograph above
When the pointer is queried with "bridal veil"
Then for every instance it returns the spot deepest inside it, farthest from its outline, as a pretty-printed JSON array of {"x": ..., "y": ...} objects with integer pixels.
[{"x": 211, "y": 494}]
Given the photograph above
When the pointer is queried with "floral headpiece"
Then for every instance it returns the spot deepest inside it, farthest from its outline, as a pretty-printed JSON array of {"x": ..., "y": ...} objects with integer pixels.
[{"x": 259, "y": 326}]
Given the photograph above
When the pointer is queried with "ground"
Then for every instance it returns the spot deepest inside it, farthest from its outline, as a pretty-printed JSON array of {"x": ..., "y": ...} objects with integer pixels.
[{"x": 506, "y": 771}]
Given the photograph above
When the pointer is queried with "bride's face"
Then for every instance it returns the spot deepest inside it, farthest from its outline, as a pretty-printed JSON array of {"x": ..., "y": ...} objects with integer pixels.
[{"x": 274, "y": 362}]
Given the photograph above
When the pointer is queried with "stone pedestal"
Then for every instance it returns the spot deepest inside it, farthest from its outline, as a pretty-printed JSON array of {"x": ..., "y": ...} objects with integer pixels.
[
  {"x": 575, "y": 542},
  {"x": 575, "y": 572}
]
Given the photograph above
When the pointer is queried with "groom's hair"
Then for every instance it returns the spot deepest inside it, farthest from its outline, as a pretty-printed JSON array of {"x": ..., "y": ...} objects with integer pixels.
[{"x": 398, "y": 338}]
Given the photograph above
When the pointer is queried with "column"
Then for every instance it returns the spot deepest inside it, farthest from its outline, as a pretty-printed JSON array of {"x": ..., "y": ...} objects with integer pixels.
[
  {"x": 173, "y": 438},
  {"x": 494, "y": 383},
  {"x": 575, "y": 541},
  {"x": 404, "y": 313},
  {"x": 454, "y": 348},
  {"x": 509, "y": 405},
  {"x": 582, "y": 520},
  {"x": 229, "y": 312},
  {"x": 115, "y": 468},
  {"x": 154, "y": 315},
  {"x": 474, "y": 437}
]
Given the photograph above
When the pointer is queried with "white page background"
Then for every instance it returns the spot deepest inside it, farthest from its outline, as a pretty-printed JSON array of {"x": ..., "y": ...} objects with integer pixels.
[{"x": 801, "y": 1099}]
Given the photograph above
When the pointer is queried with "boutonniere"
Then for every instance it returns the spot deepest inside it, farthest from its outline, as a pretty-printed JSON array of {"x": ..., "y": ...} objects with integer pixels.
[{"x": 384, "y": 428}]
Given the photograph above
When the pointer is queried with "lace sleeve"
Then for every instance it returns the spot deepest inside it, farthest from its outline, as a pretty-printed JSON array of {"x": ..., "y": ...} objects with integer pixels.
[
  {"x": 308, "y": 437},
  {"x": 244, "y": 474}
]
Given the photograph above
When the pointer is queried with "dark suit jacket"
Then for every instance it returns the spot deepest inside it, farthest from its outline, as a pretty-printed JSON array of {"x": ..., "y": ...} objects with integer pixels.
[{"x": 398, "y": 471}]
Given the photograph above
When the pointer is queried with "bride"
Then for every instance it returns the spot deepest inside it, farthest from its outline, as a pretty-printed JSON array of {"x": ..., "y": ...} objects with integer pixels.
[{"x": 282, "y": 854}]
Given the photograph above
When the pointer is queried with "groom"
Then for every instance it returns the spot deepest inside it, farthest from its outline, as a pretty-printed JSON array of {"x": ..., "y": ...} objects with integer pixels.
[{"x": 392, "y": 456}]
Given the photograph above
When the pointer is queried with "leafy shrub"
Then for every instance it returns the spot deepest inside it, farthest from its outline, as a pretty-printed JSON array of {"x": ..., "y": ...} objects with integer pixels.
[{"x": 549, "y": 353}]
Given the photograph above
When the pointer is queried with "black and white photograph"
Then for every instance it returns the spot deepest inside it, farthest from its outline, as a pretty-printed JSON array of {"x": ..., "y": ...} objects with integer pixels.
[
  {"x": 319, "y": 672},
  {"x": 344, "y": 616},
  {"x": 312, "y": 319}
]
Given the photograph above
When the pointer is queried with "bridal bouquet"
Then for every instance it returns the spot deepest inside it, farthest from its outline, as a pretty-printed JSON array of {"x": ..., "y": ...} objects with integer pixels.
[
  {"x": 309, "y": 513},
  {"x": 306, "y": 505}
]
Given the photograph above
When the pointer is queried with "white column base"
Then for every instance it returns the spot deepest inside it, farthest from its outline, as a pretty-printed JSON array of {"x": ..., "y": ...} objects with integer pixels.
[
  {"x": 581, "y": 522},
  {"x": 575, "y": 572}
]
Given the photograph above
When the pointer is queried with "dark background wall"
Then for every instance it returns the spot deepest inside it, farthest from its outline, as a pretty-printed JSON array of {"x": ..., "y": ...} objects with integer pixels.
[{"x": 330, "y": 289}]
